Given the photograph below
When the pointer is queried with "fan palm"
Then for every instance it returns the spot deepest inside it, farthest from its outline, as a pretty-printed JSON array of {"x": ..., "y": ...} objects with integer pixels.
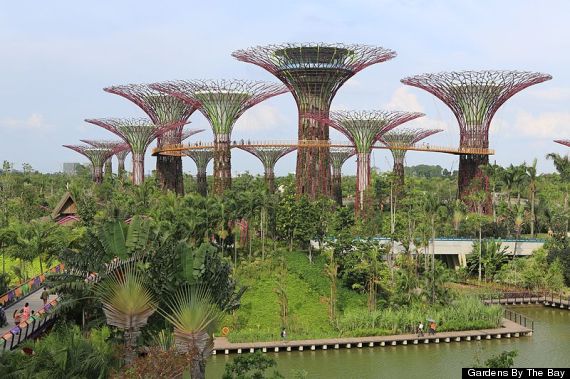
[
  {"x": 194, "y": 316},
  {"x": 127, "y": 303}
]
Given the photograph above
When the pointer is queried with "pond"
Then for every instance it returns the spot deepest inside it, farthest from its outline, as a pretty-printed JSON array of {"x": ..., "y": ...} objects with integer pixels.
[{"x": 548, "y": 347}]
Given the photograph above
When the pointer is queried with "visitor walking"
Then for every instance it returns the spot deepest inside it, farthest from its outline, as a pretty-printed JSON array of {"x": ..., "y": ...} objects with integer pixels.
[
  {"x": 421, "y": 329},
  {"x": 45, "y": 295},
  {"x": 432, "y": 327},
  {"x": 17, "y": 316},
  {"x": 283, "y": 334},
  {"x": 26, "y": 312},
  {"x": 3, "y": 320}
]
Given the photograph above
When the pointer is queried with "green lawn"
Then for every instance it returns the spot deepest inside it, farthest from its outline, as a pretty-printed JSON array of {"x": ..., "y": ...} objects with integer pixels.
[
  {"x": 307, "y": 289},
  {"x": 31, "y": 270}
]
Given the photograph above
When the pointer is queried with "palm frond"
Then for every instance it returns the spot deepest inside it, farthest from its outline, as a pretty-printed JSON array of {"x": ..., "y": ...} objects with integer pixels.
[{"x": 127, "y": 301}]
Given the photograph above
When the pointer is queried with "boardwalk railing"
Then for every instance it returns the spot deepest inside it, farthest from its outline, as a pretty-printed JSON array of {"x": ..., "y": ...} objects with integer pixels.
[
  {"x": 30, "y": 328},
  {"x": 519, "y": 318},
  {"x": 23, "y": 290}
]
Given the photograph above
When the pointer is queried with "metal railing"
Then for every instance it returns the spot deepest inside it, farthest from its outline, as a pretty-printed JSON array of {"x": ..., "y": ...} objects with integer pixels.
[
  {"x": 30, "y": 328},
  {"x": 25, "y": 289},
  {"x": 519, "y": 318}
]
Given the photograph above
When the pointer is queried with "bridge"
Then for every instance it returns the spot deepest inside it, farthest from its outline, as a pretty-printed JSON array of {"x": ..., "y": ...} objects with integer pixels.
[
  {"x": 454, "y": 251},
  {"x": 179, "y": 149}
]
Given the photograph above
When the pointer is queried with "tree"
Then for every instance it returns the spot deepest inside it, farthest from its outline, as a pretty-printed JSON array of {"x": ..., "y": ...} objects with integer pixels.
[
  {"x": 532, "y": 176},
  {"x": 493, "y": 257},
  {"x": 127, "y": 303},
  {"x": 562, "y": 165},
  {"x": 250, "y": 366},
  {"x": 194, "y": 317}
]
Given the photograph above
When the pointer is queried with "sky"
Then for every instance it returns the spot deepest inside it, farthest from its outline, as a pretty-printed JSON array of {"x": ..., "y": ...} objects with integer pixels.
[{"x": 57, "y": 56}]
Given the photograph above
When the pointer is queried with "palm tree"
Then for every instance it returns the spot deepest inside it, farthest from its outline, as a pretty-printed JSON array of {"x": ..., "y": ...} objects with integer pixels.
[
  {"x": 127, "y": 303},
  {"x": 562, "y": 165},
  {"x": 194, "y": 317},
  {"x": 532, "y": 175}
]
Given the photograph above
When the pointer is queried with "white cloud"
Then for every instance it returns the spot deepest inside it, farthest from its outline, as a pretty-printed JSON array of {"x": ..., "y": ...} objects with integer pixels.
[
  {"x": 548, "y": 125},
  {"x": 404, "y": 100},
  {"x": 32, "y": 122},
  {"x": 262, "y": 117}
]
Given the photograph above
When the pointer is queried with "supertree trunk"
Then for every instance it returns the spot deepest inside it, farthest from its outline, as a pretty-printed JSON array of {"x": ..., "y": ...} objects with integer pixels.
[
  {"x": 270, "y": 180},
  {"x": 109, "y": 167},
  {"x": 472, "y": 179},
  {"x": 399, "y": 173},
  {"x": 97, "y": 174},
  {"x": 202, "y": 183},
  {"x": 138, "y": 168},
  {"x": 312, "y": 174},
  {"x": 336, "y": 189},
  {"x": 121, "y": 167},
  {"x": 362, "y": 181},
  {"x": 169, "y": 173},
  {"x": 222, "y": 164}
]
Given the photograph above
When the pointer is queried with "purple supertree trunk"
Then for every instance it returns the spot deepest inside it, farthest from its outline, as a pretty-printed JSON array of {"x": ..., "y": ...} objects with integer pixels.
[{"x": 222, "y": 163}]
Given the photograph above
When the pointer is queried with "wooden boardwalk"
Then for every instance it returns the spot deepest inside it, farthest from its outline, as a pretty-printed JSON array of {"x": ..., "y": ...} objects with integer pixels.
[
  {"x": 508, "y": 329},
  {"x": 548, "y": 301}
]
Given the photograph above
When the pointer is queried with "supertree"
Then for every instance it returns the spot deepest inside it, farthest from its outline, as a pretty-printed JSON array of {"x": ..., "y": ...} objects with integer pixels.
[
  {"x": 398, "y": 141},
  {"x": 201, "y": 157},
  {"x": 222, "y": 102},
  {"x": 189, "y": 133},
  {"x": 338, "y": 156},
  {"x": 97, "y": 156},
  {"x": 363, "y": 129},
  {"x": 313, "y": 72},
  {"x": 565, "y": 142},
  {"x": 162, "y": 110},
  {"x": 119, "y": 148},
  {"x": 138, "y": 133},
  {"x": 474, "y": 97},
  {"x": 269, "y": 156}
]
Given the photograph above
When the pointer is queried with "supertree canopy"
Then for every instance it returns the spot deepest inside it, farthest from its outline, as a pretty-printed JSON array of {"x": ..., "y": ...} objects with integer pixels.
[
  {"x": 222, "y": 102},
  {"x": 398, "y": 141},
  {"x": 97, "y": 156},
  {"x": 338, "y": 156},
  {"x": 269, "y": 156},
  {"x": 313, "y": 72},
  {"x": 474, "y": 97},
  {"x": 364, "y": 128},
  {"x": 162, "y": 110},
  {"x": 189, "y": 133},
  {"x": 138, "y": 133},
  {"x": 118, "y": 147},
  {"x": 565, "y": 142},
  {"x": 201, "y": 157}
]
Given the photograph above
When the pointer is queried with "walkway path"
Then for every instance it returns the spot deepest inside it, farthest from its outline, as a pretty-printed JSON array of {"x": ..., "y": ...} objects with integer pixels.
[
  {"x": 35, "y": 304},
  {"x": 509, "y": 329}
]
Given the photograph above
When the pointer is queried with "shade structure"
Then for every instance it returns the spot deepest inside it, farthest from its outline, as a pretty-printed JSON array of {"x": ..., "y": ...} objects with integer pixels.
[
  {"x": 338, "y": 155},
  {"x": 474, "y": 97},
  {"x": 222, "y": 102},
  {"x": 268, "y": 156},
  {"x": 138, "y": 133},
  {"x": 398, "y": 140},
  {"x": 162, "y": 109},
  {"x": 96, "y": 155},
  {"x": 313, "y": 72},
  {"x": 363, "y": 129},
  {"x": 565, "y": 142}
]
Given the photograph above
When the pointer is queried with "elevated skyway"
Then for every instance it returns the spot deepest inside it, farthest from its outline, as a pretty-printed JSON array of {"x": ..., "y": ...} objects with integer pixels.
[{"x": 179, "y": 149}]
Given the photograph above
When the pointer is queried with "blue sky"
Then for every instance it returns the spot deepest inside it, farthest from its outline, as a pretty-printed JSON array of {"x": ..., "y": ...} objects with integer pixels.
[{"x": 57, "y": 56}]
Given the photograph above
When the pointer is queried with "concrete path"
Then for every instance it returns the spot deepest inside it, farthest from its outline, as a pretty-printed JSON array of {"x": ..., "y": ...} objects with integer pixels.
[{"x": 35, "y": 304}]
